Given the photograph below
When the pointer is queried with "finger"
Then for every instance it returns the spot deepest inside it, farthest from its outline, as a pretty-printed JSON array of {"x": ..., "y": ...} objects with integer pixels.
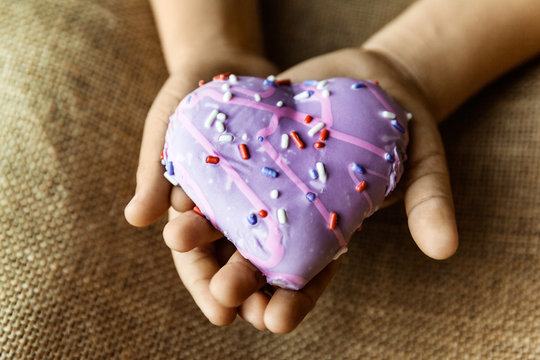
[
  {"x": 236, "y": 281},
  {"x": 151, "y": 199},
  {"x": 187, "y": 230},
  {"x": 179, "y": 200},
  {"x": 252, "y": 309},
  {"x": 196, "y": 268},
  {"x": 428, "y": 195},
  {"x": 287, "y": 308}
]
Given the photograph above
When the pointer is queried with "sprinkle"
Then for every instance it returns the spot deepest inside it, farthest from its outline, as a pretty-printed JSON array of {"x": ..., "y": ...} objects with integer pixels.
[
  {"x": 189, "y": 99},
  {"x": 171, "y": 179},
  {"x": 314, "y": 174},
  {"x": 310, "y": 196},
  {"x": 210, "y": 119},
  {"x": 279, "y": 103},
  {"x": 260, "y": 138},
  {"x": 225, "y": 87},
  {"x": 409, "y": 116},
  {"x": 319, "y": 145},
  {"x": 212, "y": 159},
  {"x": 322, "y": 171},
  {"x": 198, "y": 211},
  {"x": 322, "y": 84},
  {"x": 252, "y": 219},
  {"x": 257, "y": 97},
  {"x": 309, "y": 82},
  {"x": 358, "y": 85},
  {"x": 201, "y": 82},
  {"x": 227, "y": 96},
  {"x": 376, "y": 82},
  {"x": 359, "y": 228},
  {"x": 221, "y": 117},
  {"x": 224, "y": 76},
  {"x": 308, "y": 119},
  {"x": 269, "y": 83},
  {"x": 244, "y": 152},
  {"x": 388, "y": 115},
  {"x": 389, "y": 157},
  {"x": 398, "y": 126},
  {"x": 263, "y": 213},
  {"x": 169, "y": 167},
  {"x": 303, "y": 95},
  {"x": 220, "y": 126},
  {"x": 161, "y": 156},
  {"x": 225, "y": 138},
  {"x": 163, "y": 162},
  {"x": 233, "y": 79},
  {"x": 297, "y": 139},
  {"x": 324, "y": 135},
  {"x": 274, "y": 194},
  {"x": 358, "y": 169},
  {"x": 340, "y": 252},
  {"x": 333, "y": 221},
  {"x": 282, "y": 216},
  {"x": 271, "y": 78},
  {"x": 325, "y": 93},
  {"x": 284, "y": 141},
  {"x": 269, "y": 172},
  {"x": 284, "y": 82},
  {"x": 315, "y": 129},
  {"x": 361, "y": 186}
]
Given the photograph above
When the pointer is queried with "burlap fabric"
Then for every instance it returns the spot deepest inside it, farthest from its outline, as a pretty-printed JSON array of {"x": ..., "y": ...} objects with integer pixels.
[{"x": 76, "y": 281}]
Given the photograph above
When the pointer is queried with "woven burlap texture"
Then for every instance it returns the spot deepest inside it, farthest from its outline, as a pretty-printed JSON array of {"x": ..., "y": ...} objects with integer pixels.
[{"x": 76, "y": 281}]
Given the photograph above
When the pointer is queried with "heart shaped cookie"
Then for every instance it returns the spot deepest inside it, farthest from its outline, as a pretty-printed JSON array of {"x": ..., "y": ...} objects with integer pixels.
[{"x": 287, "y": 172}]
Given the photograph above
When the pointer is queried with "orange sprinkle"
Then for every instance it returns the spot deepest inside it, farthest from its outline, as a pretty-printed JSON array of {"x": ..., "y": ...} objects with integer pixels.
[
  {"x": 201, "y": 82},
  {"x": 308, "y": 119},
  {"x": 244, "y": 152},
  {"x": 324, "y": 134},
  {"x": 333, "y": 221},
  {"x": 361, "y": 186},
  {"x": 263, "y": 213},
  {"x": 212, "y": 159},
  {"x": 297, "y": 139},
  {"x": 319, "y": 144},
  {"x": 198, "y": 211}
]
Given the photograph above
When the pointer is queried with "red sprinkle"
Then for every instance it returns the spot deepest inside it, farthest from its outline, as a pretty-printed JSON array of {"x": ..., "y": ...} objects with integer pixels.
[
  {"x": 376, "y": 82},
  {"x": 361, "y": 186},
  {"x": 212, "y": 159},
  {"x": 198, "y": 211},
  {"x": 201, "y": 82},
  {"x": 359, "y": 228},
  {"x": 161, "y": 156},
  {"x": 297, "y": 140},
  {"x": 308, "y": 119},
  {"x": 333, "y": 221},
  {"x": 284, "y": 82},
  {"x": 324, "y": 134},
  {"x": 244, "y": 152},
  {"x": 263, "y": 213},
  {"x": 319, "y": 145}
]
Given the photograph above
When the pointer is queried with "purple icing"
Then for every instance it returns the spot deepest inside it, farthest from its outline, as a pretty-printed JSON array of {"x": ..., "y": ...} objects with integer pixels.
[{"x": 293, "y": 242}]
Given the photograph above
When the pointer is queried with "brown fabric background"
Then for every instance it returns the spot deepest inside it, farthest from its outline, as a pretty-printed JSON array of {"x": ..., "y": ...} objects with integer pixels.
[{"x": 76, "y": 281}]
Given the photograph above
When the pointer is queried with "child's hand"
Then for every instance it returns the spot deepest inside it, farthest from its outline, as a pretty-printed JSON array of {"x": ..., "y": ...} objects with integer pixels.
[{"x": 223, "y": 283}]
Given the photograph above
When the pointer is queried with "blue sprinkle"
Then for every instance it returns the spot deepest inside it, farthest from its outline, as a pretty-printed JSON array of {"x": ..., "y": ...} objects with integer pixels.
[
  {"x": 189, "y": 99},
  {"x": 310, "y": 196},
  {"x": 252, "y": 219},
  {"x": 358, "y": 85},
  {"x": 170, "y": 168},
  {"x": 398, "y": 126},
  {"x": 260, "y": 138},
  {"x": 389, "y": 158},
  {"x": 358, "y": 169},
  {"x": 163, "y": 162},
  {"x": 314, "y": 174},
  {"x": 311, "y": 92},
  {"x": 269, "y": 172},
  {"x": 309, "y": 82},
  {"x": 269, "y": 83}
]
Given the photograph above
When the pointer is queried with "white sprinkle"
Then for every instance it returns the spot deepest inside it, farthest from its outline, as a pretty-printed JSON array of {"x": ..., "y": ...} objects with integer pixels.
[
  {"x": 315, "y": 129},
  {"x": 322, "y": 172},
  {"x": 227, "y": 96},
  {"x": 221, "y": 117},
  {"x": 257, "y": 97},
  {"x": 225, "y": 138},
  {"x": 340, "y": 252},
  {"x": 220, "y": 126},
  {"x": 233, "y": 79},
  {"x": 321, "y": 84},
  {"x": 210, "y": 119},
  {"x": 388, "y": 115},
  {"x": 282, "y": 216},
  {"x": 271, "y": 78},
  {"x": 170, "y": 178},
  {"x": 302, "y": 95},
  {"x": 325, "y": 93},
  {"x": 284, "y": 141},
  {"x": 225, "y": 87},
  {"x": 279, "y": 103},
  {"x": 244, "y": 137},
  {"x": 409, "y": 116},
  {"x": 274, "y": 194}
]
